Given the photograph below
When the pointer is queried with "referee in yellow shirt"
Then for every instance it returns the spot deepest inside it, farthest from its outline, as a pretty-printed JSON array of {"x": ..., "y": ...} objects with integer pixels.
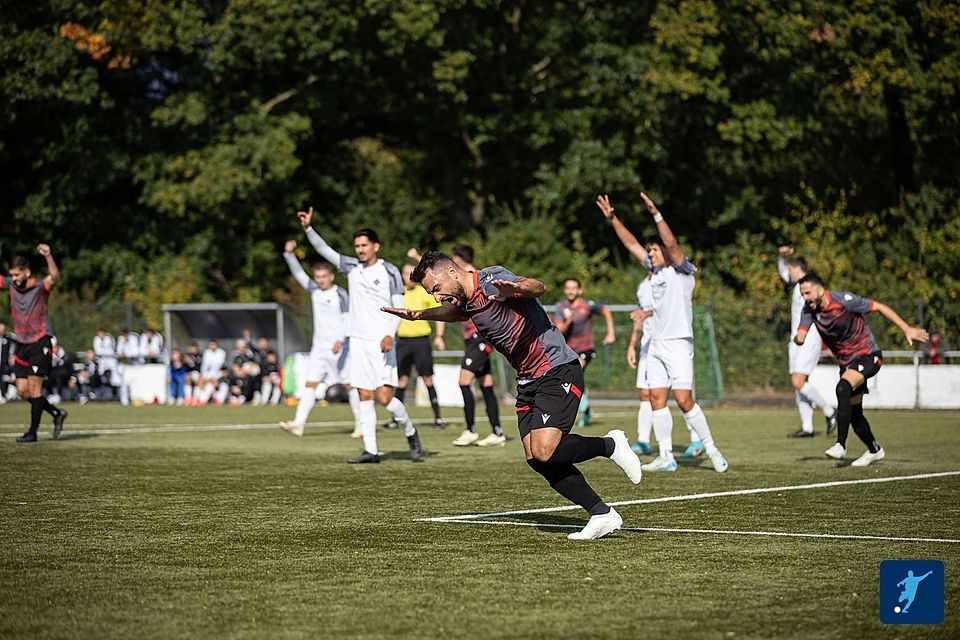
[{"x": 413, "y": 344}]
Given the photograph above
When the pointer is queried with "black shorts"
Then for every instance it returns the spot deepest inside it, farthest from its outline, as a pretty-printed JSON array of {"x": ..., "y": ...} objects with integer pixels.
[
  {"x": 414, "y": 352},
  {"x": 551, "y": 400},
  {"x": 33, "y": 359},
  {"x": 586, "y": 357},
  {"x": 867, "y": 366},
  {"x": 476, "y": 356}
]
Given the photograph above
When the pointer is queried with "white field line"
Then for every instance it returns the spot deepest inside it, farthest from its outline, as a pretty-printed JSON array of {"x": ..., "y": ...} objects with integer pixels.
[
  {"x": 698, "y": 496},
  {"x": 787, "y": 534}
]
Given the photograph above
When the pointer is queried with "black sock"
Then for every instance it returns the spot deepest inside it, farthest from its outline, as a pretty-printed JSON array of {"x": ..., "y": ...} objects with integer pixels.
[
  {"x": 567, "y": 480},
  {"x": 36, "y": 412},
  {"x": 493, "y": 409},
  {"x": 862, "y": 428},
  {"x": 469, "y": 407},
  {"x": 574, "y": 448},
  {"x": 398, "y": 393},
  {"x": 844, "y": 411},
  {"x": 49, "y": 408},
  {"x": 434, "y": 402}
]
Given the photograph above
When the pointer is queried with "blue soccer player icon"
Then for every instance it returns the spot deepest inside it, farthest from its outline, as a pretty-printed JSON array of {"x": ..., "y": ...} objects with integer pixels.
[{"x": 909, "y": 585}]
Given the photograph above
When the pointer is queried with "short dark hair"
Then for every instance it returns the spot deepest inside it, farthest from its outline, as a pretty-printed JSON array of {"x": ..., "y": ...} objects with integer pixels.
[
  {"x": 464, "y": 252},
  {"x": 20, "y": 262},
  {"x": 323, "y": 265},
  {"x": 430, "y": 260},
  {"x": 797, "y": 262},
  {"x": 579, "y": 284},
  {"x": 657, "y": 240},
  {"x": 369, "y": 233},
  {"x": 813, "y": 278}
]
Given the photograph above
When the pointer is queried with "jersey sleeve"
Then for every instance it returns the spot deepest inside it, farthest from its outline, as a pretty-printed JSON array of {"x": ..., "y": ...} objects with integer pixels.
[
  {"x": 298, "y": 273},
  {"x": 344, "y": 264},
  {"x": 558, "y": 313},
  {"x": 852, "y": 301},
  {"x": 396, "y": 295},
  {"x": 685, "y": 267},
  {"x": 782, "y": 269},
  {"x": 344, "y": 298},
  {"x": 495, "y": 273},
  {"x": 595, "y": 309},
  {"x": 806, "y": 318},
  {"x": 4, "y": 283}
]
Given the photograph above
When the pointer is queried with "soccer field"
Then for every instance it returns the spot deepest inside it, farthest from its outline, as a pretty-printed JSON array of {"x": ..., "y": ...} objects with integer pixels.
[{"x": 164, "y": 522}]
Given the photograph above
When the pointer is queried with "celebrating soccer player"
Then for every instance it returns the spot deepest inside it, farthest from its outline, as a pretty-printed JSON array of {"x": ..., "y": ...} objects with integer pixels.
[
  {"x": 507, "y": 312},
  {"x": 28, "y": 305},
  {"x": 839, "y": 319}
]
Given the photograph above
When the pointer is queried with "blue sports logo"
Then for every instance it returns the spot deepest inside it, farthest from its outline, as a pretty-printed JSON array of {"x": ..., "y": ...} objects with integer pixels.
[{"x": 911, "y": 591}]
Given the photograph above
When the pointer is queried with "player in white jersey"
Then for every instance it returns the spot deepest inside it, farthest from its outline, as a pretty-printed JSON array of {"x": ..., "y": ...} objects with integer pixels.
[
  {"x": 213, "y": 360},
  {"x": 803, "y": 359},
  {"x": 670, "y": 359},
  {"x": 373, "y": 284},
  {"x": 328, "y": 352}
]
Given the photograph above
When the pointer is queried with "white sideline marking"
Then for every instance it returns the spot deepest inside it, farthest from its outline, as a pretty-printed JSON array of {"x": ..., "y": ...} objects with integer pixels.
[
  {"x": 478, "y": 518},
  {"x": 788, "y": 534},
  {"x": 697, "y": 496}
]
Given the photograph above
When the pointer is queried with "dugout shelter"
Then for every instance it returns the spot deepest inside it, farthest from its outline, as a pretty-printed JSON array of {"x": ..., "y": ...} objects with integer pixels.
[{"x": 225, "y": 322}]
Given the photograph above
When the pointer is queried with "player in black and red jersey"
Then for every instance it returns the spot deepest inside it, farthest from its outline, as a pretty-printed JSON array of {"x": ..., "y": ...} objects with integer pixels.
[
  {"x": 506, "y": 310},
  {"x": 28, "y": 305},
  {"x": 839, "y": 319}
]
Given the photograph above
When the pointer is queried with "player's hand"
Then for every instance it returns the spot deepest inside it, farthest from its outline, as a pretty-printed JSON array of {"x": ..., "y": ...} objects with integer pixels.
[
  {"x": 651, "y": 208},
  {"x": 386, "y": 344},
  {"x": 800, "y": 338},
  {"x": 413, "y": 254},
  {"x": 439, "y": 344},
  {"x": 406, "y": 314},
  {"x": 567, "y": 314},
  {"x": 916, "y": 333},
  {"x": 290, "y": 246},
  {"x": 785, "y": 251},
  {"x": 337, "y": 347},
  {"x": 507, "y": 288},
  {"x": 305, "y": 217},
  {"x": 609, "y": 338},
  {"x": 605, "y": 207},
  {"x": 639, "y": 315},
  {"x": 43, "y": 250},
  {"x": 632, "y": 356}
]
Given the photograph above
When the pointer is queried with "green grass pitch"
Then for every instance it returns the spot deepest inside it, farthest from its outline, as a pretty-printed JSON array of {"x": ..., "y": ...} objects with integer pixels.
[{"x": 153, "y": 522}]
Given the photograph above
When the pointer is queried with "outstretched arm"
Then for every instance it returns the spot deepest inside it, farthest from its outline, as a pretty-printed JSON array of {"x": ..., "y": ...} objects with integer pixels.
[
  {"x": 634, "y": 246},
  {"x": 53, "y": 273},
  {"x": 785, "y": 252},
  {"x": 306, "y": 217},
  {"x": 521, "y": 288},
  {"x": 445, "y": 313},
  {"x": 912, "y": 333},
  {"x": 674, "y": 252},
  {"x": 294, "y": 264}
]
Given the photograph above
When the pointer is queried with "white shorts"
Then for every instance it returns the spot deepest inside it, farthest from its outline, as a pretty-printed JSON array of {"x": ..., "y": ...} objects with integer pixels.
[
  {"x": 369, "y": 367},
  {"x": 642, "y": 357},
  {"x": 804, "y": 359},
  {"x": 670, "y": 364},
  {"x": 326, "y": 366}
]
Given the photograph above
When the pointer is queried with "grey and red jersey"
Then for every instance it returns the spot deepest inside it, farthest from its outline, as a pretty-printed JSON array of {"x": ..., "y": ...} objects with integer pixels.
[
  {"x": 517, "y": 327},
  {"x": 841, "y": 325},
  {"x": 580, "y": 334},
  {"x": 28, "y": 305}
]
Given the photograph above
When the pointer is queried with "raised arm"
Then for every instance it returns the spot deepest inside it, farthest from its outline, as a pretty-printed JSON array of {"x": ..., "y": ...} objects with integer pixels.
[
  {"x": 784, "y": 253},
  {"x": 293, "y": 263},
  {"x": 912, "y": 333},
  {"x": 306, "y": 217},
  {"x": 53, "y": 273},
  {"x": 674, "y": 252},
  {"x": 445, "y": 313},
  {"x": 634, "y": 246}
]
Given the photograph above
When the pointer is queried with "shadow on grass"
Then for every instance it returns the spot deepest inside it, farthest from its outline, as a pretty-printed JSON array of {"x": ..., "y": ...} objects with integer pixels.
[
  {"x": 557, "y": 524},
  {"x": 77, "y": 436},
  {"x": 405, "y": 455}
]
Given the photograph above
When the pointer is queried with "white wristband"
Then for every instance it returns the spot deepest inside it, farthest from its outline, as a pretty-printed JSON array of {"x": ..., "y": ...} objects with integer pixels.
[{"x": 657, "y": 217}]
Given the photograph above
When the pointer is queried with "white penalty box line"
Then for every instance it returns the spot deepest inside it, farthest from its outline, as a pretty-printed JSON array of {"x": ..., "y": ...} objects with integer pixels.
[{"x": 484, "y": 518}]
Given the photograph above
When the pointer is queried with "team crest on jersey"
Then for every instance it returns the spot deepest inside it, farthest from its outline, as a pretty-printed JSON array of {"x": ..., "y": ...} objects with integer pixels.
[
  {"x": 545, "y": 416},
  {"x": 376, "y": 281}
]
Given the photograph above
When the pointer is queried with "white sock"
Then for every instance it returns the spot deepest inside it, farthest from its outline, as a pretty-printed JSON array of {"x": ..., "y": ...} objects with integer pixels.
[
  {"x": 277, "y": 392},
  {"x": 368, "y": 425},
  {"x": 222, "y": 392},
  {"x": 124, "y": 394},
  {"x": 321, "y": 393},
  {"x": 197, "y": 391},
  {"x": 265, "y": 390},
  {"x": 813, "y": 397},
  {"x": 307, "y": 399},
  {"x": 697, "y": 422},
  {"x": 206, "y": 392},
  {"x": 354, "y": 397},
  {"x": 806, "y": 413},
  {"x": 399, "y": 413},
  {"x": 644, "y": 421},
  {"x": 663, "y": 429}
]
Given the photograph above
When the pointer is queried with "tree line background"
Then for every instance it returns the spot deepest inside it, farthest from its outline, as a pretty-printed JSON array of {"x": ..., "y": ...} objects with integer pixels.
[{"x": 162, "y": 147}]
